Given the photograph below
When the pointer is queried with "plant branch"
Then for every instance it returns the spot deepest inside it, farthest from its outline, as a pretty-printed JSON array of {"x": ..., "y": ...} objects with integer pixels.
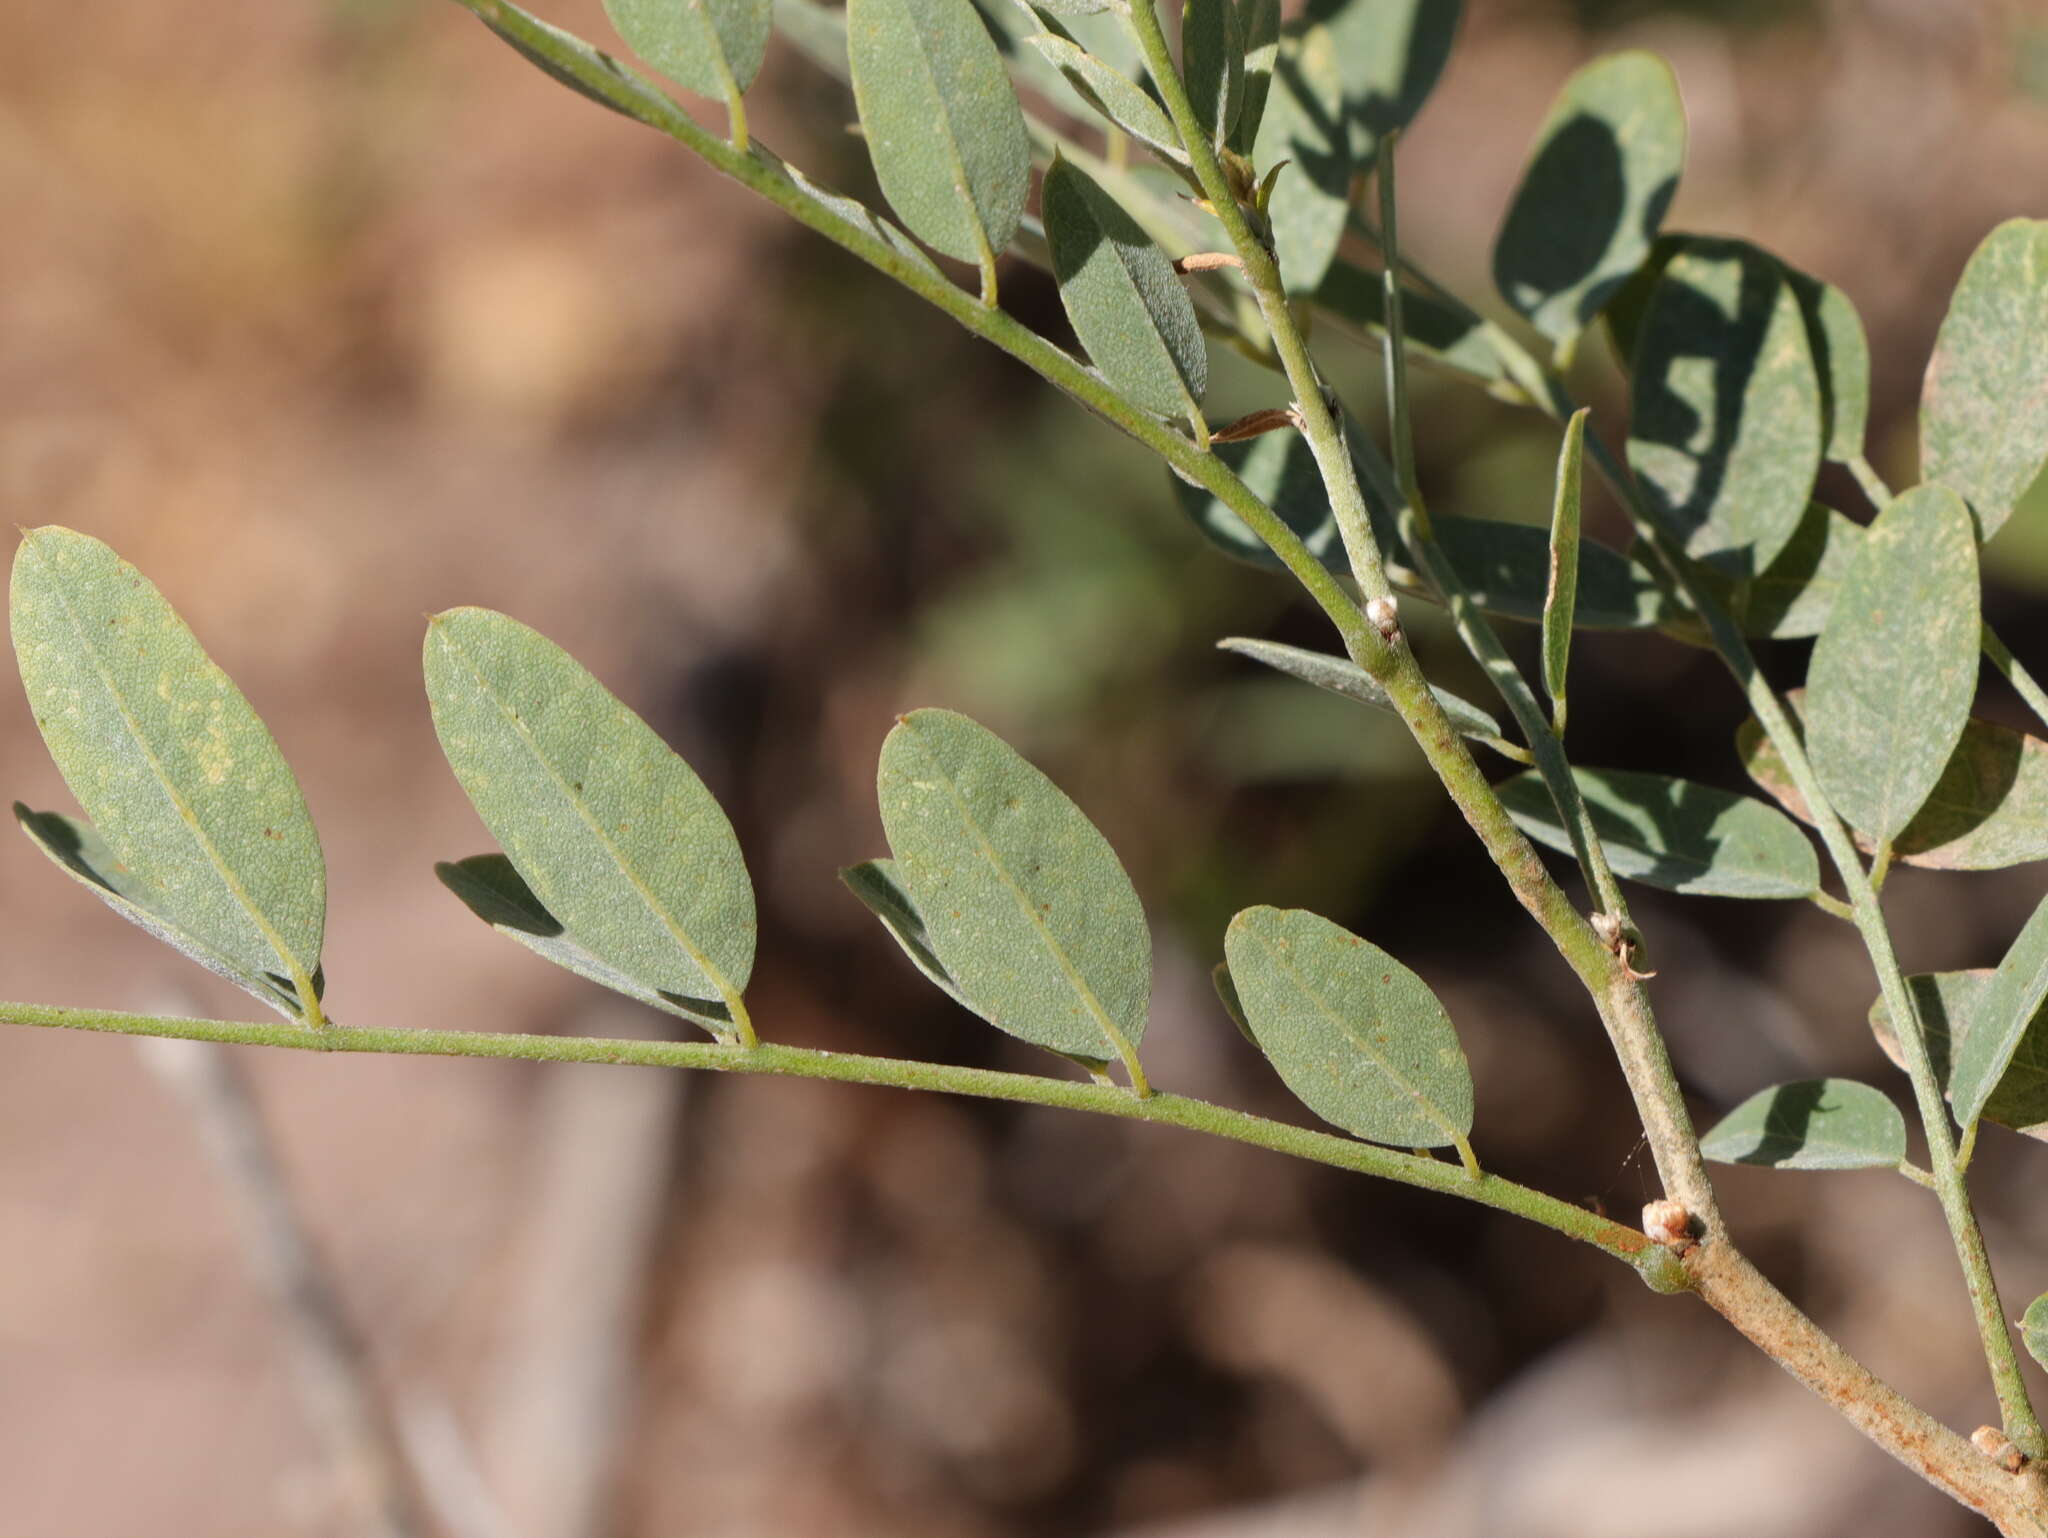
[
  {"x": 2021, "y": 1423},
  {"x": 1653, "y": 1263}
]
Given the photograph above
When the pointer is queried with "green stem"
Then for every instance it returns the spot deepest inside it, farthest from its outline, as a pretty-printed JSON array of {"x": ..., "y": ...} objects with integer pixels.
[
  {"x": 2021, "y": 1423},
  {"x": 1162, "y": 1109},
  {"x": 1401, "y": 422},
  {"x": 1623, "y": 1008},
  {"x": 1319, "y": 425}
]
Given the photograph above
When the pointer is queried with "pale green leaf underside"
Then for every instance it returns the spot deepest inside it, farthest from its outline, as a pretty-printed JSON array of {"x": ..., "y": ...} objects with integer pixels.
[
  {"x": 1340, "y": 675},
  {"x": 1111, "y": 93},
  {"x": 1212, "y": 63},
  {"x": 881, "y": 891},
  {"x": 1816, "y": 1124},
  {"x": 1841, "y": 359},
  {"x": 1358, "y": 1038},
  {"x": 490, "y": 888},
  {"x": 172, "y": 767},
  {"x": 1999, "y": 1019},
  {"x": 1560, "y": 600},
  {"x": 564, "y": 57},
  {"x": 697, "y": 43},
  {"x": 1392, "y": 52},
  {"x": 1603, "y": 172},
  {"x": 83, "y": 855},
  {"x": 1988, "y": 810},
  {"x": 1025, "y": 904},
  {"x": 1947, "y": 1003},
  {"x": 1304, "y": 126},
  {"x": 1675, "y": 834},
  {"x": 1258, "y": 25},
  {"x": 1893, "y": 673},
  {"x": 1984, "y": 407},
  {"x": 1794, "y": 595},
  {"x": 1123, "y": 297},
  {"x": 1725, "y": 435},
  {"x": 616, "y": 836},
  {"x": 942, "y": 123}
]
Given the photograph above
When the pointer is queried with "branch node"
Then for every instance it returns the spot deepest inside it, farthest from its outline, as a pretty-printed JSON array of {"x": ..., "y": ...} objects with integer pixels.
[
  {"x": 1671, "y": 1224},
  {"x": 1998, "y": 1447},
  {"x": 1622, "y": 939},
  {"x": 1385, "y": 615}
]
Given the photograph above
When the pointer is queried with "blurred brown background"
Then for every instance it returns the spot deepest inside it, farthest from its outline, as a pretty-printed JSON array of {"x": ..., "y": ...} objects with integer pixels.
[{"x": 332, "y": 314}]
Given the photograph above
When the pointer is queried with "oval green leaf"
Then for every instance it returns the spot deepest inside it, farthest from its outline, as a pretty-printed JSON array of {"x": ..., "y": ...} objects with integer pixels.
[
  {"x": 1889, "y": 688},
  {"x": 1358, "y": 1038},
  {"x": 1394, "y": 52},
  {"x": 1258, "y": 26},
  {"x": 1675, "y": 834},
  {"x": 1340, "y": 675},
  {"x": 1947, "y": 1004},
  {"x": 1984, "y": 407},
  {"x": 1111, "y": 93},
  {"x": 1602, "y": 175},
  {"x": 1725, "y": 435},
  {"x": 491, "y": 888},
  {"x": 2000, "y": 1019},
  {"x": 1793, "y": 596},
  {"x": 1988, "y": 810},
  {"x": 1025, "y": 904},
  {"x": 942, "y": 124},
  {"x": 706, "y": 46},
  {"x": 177, "y": 774},
  {"x": 1121, "y": 293},
  {"x": 568, "y": 60},
  {"x": 1560, "y": 598},
  {"x": 1212, "y": 64},
  {"x": 1304, "y": 125},
  {"x": 1841, "y": 359},
  {"x": 1816, "y": 1124},
  {"x": 2034, "y": 1329},
  {"x": 613, "y": 833}
]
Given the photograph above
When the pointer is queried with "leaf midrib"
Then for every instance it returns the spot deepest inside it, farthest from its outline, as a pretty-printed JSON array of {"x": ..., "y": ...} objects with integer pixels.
[
  {"x": 179, "y": 806},
  {"x": 1344, "y": 1026},
  {"x": 640, "y": 888},
  {"x": 1118, "y": 1041}
]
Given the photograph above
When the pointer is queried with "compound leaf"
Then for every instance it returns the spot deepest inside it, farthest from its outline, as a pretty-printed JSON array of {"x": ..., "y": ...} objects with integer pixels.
[
  {"x": 1357, "y": 1037},
  {"x": 1121, "y": 293},
  {"x": 491, "y": 888},
  {"x": 1984, "y": 407},
  {"x": 1025, "y": 905},
  {"x": 943, "y": 125},
  {"x": 204, "y": 829},
  {"x": 1893, "y": 673},
  {"x": 1675, "y": 834},
  {"x": 1815, "y": 1124},
  {"x": 614, "y": 835},
  {"x": 1604, "y": 169},
  {"x": 1726, "y": 429},
  {"x": 698, "y": 44}
]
